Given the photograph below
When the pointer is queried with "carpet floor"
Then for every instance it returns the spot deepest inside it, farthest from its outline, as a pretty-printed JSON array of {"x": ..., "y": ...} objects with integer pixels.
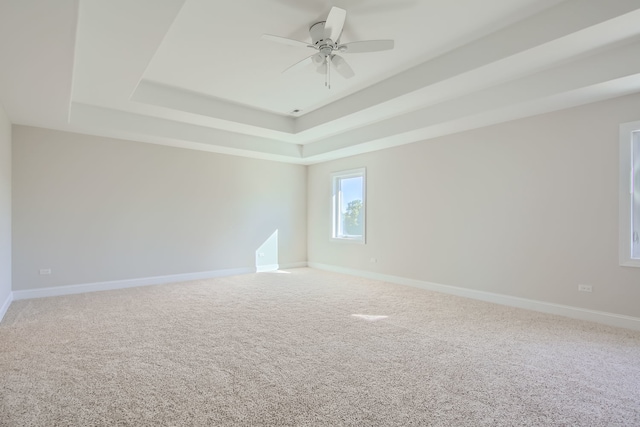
[{"x": 308, "y": 348}]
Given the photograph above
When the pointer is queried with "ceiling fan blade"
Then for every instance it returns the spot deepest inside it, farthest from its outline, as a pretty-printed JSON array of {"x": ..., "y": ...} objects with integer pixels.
[
  {"x": 306, "y": 61},
  {"x": 284, "y": 40},
  {"x": 334, "y": 24},
  {"x": 342, "y": 67},
  {"x": 366, "y": 46}
]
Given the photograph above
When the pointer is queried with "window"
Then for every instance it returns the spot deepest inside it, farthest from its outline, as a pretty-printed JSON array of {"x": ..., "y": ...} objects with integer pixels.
[
  {"x": 630, "y": 194},
  {"x": 349, "y": 205},
  {"x": 635, "y": 195}
]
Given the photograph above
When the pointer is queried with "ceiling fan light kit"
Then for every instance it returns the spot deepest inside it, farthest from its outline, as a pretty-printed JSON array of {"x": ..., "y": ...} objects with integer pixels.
[{"x": 325, "y": 38}]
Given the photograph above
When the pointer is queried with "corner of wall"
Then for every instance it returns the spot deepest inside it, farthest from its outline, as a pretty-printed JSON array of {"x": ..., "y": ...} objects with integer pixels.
[
  {"x": 5, "y": 305},
  {"x": 5, "y": 212}
]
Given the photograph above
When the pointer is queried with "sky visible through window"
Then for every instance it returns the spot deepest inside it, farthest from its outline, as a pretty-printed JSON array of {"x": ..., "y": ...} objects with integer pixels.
[{"x": 351, "y": 190}]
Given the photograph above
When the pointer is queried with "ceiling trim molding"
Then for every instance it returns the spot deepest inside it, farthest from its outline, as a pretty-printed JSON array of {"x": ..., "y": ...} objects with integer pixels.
[
  {"x": 90, "y": 116},
  {"x": 561, "y": 21},
  {"x": 182, "y": 100},
  {"x": 122, "y": 69},
  {"x": 590, "y": 71}
]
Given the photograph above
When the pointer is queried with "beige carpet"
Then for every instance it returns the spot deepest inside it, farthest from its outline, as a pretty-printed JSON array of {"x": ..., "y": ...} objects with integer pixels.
[{"x": 286, "y": 350}]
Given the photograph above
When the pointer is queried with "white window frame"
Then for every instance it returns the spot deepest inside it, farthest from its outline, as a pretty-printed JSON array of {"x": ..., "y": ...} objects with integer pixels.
[
  {"x": 628, "y": 132},
  {"x": 336, "y": 235}
]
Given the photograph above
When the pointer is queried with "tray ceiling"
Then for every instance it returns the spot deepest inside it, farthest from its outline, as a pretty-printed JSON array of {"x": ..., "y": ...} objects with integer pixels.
[{"x": 197, "y": 74}]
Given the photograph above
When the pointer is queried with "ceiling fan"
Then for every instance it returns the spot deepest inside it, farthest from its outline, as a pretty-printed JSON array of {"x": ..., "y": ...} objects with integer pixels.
[{"x": 325, "y": 38}]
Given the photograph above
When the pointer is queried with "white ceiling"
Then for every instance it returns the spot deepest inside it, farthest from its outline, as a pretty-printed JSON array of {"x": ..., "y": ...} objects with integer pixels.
[{"x": 197, "y": 74}]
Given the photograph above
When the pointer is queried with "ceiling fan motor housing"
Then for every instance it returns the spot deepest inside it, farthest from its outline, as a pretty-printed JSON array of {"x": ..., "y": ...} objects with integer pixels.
[
  {"x": 325, "y": 45},
  {"x": 317, "y": 32}
]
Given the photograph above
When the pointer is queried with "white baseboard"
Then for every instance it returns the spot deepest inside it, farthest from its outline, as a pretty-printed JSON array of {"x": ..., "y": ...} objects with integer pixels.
[
  {"x": 5, "y": 305},
  {"x": 293, "y": 265},
  {"x": 276, "y": 267},
  {"x": 122, "y": 284},
  {"x": 144, "y": 281},
  {"x": 610, "y": 319}
]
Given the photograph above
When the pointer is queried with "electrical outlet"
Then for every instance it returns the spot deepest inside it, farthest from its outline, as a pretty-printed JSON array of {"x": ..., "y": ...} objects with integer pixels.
[
  {"x": 45, "y": 271},
  {"x": 585, "y": 288},
  {"x": 373, "y": 260}
]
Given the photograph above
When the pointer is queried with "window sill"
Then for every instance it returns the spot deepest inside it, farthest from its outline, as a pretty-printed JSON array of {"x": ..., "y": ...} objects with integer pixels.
[
  {"x": 359, "y": 240},
  {"x": 630, "y": 263}
]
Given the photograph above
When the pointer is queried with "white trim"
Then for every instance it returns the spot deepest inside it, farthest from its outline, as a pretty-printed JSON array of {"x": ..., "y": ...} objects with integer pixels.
[
  {"x": 335, "y": 177},
  {"x": 122, "y": 284},
  {"x": 268, "y": 267},
  {"x": 356, "y": 240},
  {"x": 275, "y": 267},
  {"x": 5, "y": 305},
  {"x": 610, "y": 319},
  {"x": 143, "y": 281},
  {"x": 301, "y": 264},
  {"x": 625, "y": 227}
]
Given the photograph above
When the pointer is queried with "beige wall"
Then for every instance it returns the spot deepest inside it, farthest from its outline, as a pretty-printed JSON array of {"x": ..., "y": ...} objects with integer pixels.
[
  {"x": 528, "y": 208},
  {"x": 95, "y": 209},
  {"x": 5, "y": 207}
]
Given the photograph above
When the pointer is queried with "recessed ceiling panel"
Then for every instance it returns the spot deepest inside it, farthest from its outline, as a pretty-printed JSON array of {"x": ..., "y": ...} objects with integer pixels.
[
  {"x": 216, "y": 49},
  {"x": 198, "y": 74}
]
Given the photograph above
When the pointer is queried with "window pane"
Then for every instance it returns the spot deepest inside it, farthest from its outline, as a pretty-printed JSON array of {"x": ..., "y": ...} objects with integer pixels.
[
  {"x": 351, "y": 207},
  {"x": 635, "y": 209}
]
